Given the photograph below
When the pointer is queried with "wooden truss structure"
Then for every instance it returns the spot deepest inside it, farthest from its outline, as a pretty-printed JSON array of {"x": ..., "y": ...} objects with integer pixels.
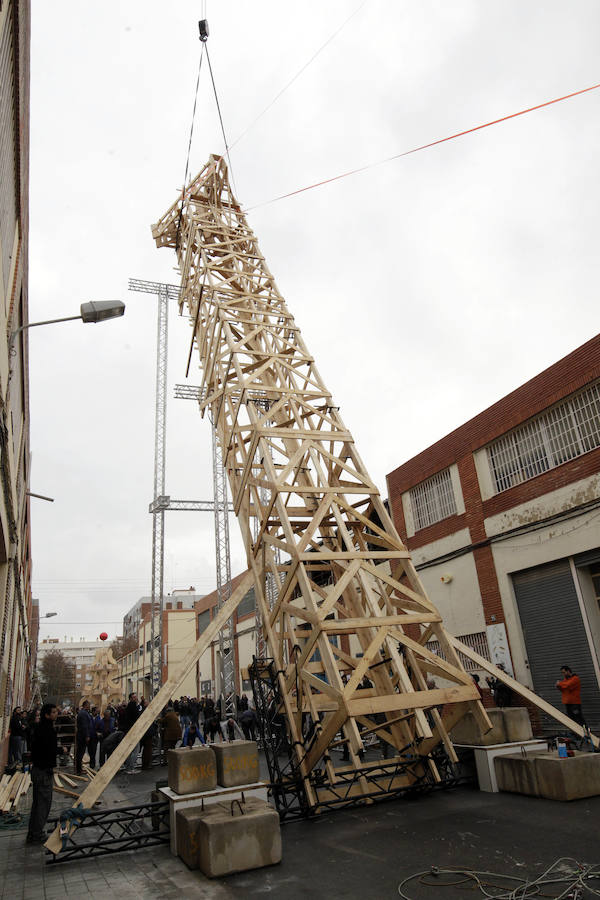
[
  {"x": 336, "y": 591},
  {"x": 348, "y": 621}
]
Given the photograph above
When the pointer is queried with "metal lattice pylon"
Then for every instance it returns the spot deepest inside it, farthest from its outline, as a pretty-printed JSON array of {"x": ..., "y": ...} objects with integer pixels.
[
  {"x": 164, "y": 293},
  {"x": 349, "y": 603}
]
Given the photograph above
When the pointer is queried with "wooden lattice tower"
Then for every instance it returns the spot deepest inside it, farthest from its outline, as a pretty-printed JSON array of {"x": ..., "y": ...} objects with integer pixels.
[{"x": 348, "y": 602}]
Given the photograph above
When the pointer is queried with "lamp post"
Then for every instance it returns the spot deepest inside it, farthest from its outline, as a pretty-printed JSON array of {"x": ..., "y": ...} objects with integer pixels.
[{"x": 93, "y": 311}]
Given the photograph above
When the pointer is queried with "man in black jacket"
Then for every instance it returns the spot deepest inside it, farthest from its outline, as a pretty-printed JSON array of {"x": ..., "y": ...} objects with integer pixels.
[
  {"x": 44, "y": 747},
  {"x": 84, "y": 732},
  {"x": 132, "y": 714}
]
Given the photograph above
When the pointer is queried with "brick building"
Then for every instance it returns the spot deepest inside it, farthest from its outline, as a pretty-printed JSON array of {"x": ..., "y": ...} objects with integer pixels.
[{"x": 502, "y": 517}]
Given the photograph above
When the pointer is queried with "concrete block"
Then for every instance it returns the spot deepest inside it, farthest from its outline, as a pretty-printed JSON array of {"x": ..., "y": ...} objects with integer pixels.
[
  {"x": 191, "y": 770},
  {"x": 188, "y": 824},
  {"x": 544, "y": 774},
  {"x": 517, "y": 724},
  {"x": 568, "y": 779},
  {"x": 237, "y": 763},
  {"x": 229, "y": 837},
  {"x": 467, "y": 730},
  {"x": 517, "y": 774}
]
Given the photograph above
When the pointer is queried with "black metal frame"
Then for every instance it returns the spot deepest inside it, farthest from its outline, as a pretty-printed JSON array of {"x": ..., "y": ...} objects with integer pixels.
[
  {"x": 287, "y": 785},
  {"x": 116, "y": 830}
]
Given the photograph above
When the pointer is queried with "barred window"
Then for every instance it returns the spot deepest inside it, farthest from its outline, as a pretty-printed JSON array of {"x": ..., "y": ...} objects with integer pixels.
[
  {"x": 552, "y": 438},
  {"x": 433, "y": 500},
  {"x": 477, "y": 642}
]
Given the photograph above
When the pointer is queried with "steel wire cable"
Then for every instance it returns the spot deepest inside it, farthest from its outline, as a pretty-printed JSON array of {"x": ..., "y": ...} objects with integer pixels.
[
  {"x": 221, "y": 120},
  {"x": 187, "y": 162},
  {"x": 297, "y": 75}
]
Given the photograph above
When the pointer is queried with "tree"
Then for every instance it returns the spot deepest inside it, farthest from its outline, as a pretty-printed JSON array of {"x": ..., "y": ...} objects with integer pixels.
[
  {"x": 57, "y": 677},
  {"x": 121, "y": 646}
]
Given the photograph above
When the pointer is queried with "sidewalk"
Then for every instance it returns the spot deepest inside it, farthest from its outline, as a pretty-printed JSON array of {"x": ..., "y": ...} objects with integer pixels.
[
  {"x": 363, "y": 852},
  {"x": 25, "y": 873}
]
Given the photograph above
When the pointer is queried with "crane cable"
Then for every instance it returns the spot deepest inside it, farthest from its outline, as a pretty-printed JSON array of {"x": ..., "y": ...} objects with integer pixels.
[
  {"x": 297, "y": 75},
  {"x": 451, "y": 137},
  {"x": 187, "y": 162},
  {"x": 221, "y": 119},
  {"x": 203, "y": 39}
]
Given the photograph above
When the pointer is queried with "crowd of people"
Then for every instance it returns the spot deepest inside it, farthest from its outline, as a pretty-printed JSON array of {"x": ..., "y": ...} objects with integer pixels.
[
  {"x": 48, "y": 733},
  {"x": 184, "y": 723}
]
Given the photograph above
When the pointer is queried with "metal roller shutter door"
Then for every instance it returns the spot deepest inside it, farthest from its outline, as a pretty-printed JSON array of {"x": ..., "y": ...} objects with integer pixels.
[{"x": 555, "y": 635}]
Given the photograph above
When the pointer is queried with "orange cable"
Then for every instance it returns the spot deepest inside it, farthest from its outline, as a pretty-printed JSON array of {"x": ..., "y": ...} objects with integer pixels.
[{"x": 451, "y": 137}]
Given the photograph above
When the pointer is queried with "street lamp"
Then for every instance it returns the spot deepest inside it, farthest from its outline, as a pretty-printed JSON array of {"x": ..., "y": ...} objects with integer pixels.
[
  {"x": 94, "y": 311},
  {"x": 49, "y": 615}
]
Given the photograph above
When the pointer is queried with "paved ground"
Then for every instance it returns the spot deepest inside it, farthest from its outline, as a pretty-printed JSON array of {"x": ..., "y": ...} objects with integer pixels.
[{"x": 363, "y": 852}]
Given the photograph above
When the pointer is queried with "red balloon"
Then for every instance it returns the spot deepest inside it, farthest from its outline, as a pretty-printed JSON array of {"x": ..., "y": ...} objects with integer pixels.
[{"x": 103, "y": 636}]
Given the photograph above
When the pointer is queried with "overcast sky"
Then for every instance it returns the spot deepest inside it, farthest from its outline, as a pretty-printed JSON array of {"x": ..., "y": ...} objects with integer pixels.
[{"x": 426, "y": 288}]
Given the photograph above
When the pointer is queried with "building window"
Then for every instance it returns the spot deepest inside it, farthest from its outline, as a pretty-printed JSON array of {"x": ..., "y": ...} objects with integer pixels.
[
  {"x": 552, "y": 438},
  {"x": 595, "y": 575},
  {"x": 433, "y": 500},
  {"x": 247, "y": 605},
  {"x": 203, "y": 621},
  {"x": 477, "y": 642}
]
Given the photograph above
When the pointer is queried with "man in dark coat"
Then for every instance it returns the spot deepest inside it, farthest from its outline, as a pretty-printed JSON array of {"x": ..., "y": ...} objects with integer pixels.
[
  {"x": 171, "y": 731},
  {"x": 44, "y": 747},
  {"x": 132, "y": 714},
  {"x": 84, "y": 732},
  {"x": 249, "y": 722},
  {"x": 17, "y": 737}
]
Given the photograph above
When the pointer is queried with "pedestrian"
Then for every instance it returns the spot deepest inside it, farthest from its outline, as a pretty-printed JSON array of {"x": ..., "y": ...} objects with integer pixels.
[
  {"x": 104, "y": 730},
  {"x": 171, "y": 731},
  {"x": 18, "y": 732},
  {"x": 109, "y": 744},
  {"x": 212, "y": 727},
  {"x": 476, "y": 679},
  {"x": 65, "y": 727},
  {"x": 93, "y": 742},
  {"x": 230, "y": 725},
  {"x": 147, "y": 743},
  {"x": 132, "y": 714},
  {"x": 84, "y": 730},
  {"x": 570, "y": 690},
  {"x": 44, "y": 747},
  {"x": 501, "y": 692},
  {"x": 249, "y": 723},
  {"x": 191, "y": 737},
  {"x": 184, "y": 712}
]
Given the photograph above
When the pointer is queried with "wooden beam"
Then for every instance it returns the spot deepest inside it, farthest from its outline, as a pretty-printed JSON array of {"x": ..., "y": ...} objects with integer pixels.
[
  {"x": 520, "y": 689},
  {"x": 412, "y": 700},
  {"x": 155, "y": 707}
]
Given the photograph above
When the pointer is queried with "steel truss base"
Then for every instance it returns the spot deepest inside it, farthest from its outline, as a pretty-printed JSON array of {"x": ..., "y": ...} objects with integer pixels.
[
  {"x": 116, "y": 830},
  {"x": 409, "y": 775}
]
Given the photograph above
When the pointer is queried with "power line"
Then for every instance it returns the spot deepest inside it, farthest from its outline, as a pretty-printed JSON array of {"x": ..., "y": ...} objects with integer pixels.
[
  {"x": 450, "y": 137},
  {"x": 296, "y": 76}
]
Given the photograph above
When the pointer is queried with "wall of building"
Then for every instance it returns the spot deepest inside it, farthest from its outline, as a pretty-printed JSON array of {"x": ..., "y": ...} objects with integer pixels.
[
  {"x": 468, "y": 560},
  {"x": 16, "y": 646}
]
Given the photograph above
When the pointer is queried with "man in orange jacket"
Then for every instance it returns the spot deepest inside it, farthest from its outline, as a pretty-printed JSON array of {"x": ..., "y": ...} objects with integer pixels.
[{"x": 570, "y": 689}]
